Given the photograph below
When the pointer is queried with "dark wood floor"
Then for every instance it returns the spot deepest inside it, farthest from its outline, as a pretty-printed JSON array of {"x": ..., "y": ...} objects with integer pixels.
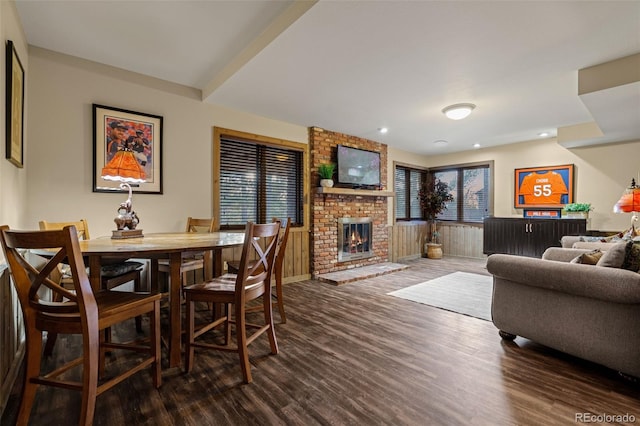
[{"x": 352, "y": 355}]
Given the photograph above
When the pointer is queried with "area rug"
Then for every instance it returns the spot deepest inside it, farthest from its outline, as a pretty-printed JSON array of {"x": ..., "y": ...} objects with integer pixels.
[{"x": 461, "y": 292}]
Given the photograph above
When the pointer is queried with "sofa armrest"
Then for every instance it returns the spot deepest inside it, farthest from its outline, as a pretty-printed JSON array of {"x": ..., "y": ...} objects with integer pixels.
[{"x": 596, "y": 282}]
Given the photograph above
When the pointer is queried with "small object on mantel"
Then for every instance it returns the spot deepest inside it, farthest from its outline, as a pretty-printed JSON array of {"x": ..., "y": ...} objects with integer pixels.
[{"x": 120, "y": 234}]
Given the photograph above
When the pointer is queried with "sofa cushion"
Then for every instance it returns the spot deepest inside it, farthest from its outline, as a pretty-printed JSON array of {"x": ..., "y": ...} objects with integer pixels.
[
  {"x": 589, "y": 258},
  {"x": 614, "y": 257},
  {"x": 119, "y": 268}
]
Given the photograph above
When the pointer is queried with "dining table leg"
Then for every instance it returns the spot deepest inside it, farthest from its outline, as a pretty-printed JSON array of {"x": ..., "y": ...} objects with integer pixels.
[
  {"x": 218, "y": 269},
  {"x": 175, "y": 318},
  {"x": 95, "y": 270}
]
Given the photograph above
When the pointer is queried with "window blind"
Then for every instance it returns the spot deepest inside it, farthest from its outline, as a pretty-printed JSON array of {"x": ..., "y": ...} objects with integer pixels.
[{"x": 259, "y": 182}]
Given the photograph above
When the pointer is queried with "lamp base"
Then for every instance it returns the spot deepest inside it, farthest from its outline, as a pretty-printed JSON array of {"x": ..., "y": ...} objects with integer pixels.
[{"x": 120, "y": 234}]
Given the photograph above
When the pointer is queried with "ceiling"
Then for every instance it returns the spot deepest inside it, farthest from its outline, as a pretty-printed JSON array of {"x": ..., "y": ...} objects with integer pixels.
[{"x": 357, "y": 66}]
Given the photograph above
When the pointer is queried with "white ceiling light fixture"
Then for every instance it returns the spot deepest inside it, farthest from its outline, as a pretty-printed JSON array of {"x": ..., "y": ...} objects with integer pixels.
[
  {"x": 476, "y": 145},
  {"x": 543, "y": 134},
  {"x": 383, "y": 130},
  {"x": 458, "y": 111},
  {"x": 440, "y": 142}
]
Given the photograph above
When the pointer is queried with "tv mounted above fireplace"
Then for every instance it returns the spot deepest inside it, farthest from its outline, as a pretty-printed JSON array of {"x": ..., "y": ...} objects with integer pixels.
[{"x": 358, "y": 168}]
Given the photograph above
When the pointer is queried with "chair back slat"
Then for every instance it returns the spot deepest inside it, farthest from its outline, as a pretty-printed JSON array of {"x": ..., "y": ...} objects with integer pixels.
[
  {"x": 260, "y": 244},
  {"x": 82, "y": 227},
  {"x": 201, "y": 225},
  {"x": 285, "y": 226}
]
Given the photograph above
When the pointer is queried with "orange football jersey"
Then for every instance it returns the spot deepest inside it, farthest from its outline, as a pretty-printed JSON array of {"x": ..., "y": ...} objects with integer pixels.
[{"x": 543, "y": 188}]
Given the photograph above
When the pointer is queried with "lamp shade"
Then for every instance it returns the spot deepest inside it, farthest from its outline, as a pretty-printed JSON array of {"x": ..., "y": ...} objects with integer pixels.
[
  {"x": 630, "y": 200},
  {"x": 123, "y": 167}
]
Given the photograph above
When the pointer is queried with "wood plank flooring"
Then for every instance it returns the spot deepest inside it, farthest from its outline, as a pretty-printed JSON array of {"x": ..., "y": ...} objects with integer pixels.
[{"x": 351, "y": 355}]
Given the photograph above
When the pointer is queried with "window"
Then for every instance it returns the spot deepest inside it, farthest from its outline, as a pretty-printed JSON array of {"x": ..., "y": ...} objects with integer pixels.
[
  {"x": 470, "y": 187},
  {"x": 259, "y": 182},
  {"x": 407, "y": 183}
]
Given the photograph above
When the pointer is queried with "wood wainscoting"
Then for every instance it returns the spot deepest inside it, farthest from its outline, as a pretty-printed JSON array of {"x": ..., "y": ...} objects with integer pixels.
[
  {"x": 12, "y": 344},
  {"x": 406, "y": 240}
]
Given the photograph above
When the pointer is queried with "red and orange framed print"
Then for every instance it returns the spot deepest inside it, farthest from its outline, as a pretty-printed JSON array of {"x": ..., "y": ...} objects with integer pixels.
[{"x": 544, "y": 187}]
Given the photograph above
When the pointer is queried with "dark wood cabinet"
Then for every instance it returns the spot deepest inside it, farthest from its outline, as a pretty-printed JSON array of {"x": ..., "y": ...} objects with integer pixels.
[{"x": 527, "y": 237}]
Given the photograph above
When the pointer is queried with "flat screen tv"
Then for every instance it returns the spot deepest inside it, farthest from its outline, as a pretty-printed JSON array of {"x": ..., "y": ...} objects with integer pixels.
[{"x": 358, "y": 168}]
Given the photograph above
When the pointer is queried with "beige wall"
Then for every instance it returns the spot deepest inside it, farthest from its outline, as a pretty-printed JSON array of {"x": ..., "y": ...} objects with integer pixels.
[
  {"x": 13, "y": 180},
  {"x": 601, "y": 173},
  {"x": 60, "y": 152}
]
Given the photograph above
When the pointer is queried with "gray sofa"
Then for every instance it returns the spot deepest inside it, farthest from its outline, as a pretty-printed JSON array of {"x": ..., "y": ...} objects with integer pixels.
[{"x": 591, "y": 312}]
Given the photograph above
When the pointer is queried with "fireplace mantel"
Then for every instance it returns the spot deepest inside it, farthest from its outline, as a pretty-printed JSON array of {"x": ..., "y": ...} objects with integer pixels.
[{"x": 349, "y": 191}]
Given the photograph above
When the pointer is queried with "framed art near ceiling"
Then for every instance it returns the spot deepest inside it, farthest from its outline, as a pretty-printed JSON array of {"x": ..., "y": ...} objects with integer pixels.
[
  {"x": 117, "y": 129},
  {"x": 14, "y": 107},
  {"x": 544, "y": 187}
]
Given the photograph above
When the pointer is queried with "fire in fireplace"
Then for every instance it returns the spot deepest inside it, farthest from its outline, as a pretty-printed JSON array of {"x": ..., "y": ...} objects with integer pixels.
[{"x": 355, "y": 238}]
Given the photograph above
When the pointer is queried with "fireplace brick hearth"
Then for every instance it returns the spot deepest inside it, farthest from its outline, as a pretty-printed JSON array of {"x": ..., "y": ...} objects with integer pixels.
[{"x": 326, "y": 209}]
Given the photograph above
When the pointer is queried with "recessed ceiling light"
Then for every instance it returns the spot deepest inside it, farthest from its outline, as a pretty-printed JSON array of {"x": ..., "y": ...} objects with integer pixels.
[
  {"x": 440, "y": 142},
  {"x": 476, "y": 145},
  {"x": 383, "y": 130},
  {"x": 458, "y": 111},
  {"x": 543, "y": 134}
]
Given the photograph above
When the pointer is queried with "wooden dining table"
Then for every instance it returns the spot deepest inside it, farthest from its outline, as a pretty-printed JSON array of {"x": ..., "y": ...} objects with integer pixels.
[{"x": 161, "y": 246}]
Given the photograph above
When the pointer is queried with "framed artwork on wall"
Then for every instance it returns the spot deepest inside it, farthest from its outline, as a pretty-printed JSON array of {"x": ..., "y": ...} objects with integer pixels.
[
  {"x": 544, "y": 187},
  {"x": 14, "y": 107},
  {"x": 116, "y": 129}
]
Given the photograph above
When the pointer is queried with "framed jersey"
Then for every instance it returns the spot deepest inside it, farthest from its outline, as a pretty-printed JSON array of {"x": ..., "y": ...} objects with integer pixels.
[{"x": 544, "y": 187}]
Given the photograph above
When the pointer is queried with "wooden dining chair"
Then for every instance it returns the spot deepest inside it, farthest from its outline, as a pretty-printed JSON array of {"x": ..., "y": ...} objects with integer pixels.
[
  {"x": 192, "y": 261},
  {"x": 113, "y": 274},
  {"x": 79, "y": 311},
  {"x": 252, "y": 281},
  {"x": 232, "y": 267}
]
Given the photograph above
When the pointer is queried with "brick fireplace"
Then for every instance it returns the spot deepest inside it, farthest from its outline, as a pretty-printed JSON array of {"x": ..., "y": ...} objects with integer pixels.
[{"x": 327, "y": 209}]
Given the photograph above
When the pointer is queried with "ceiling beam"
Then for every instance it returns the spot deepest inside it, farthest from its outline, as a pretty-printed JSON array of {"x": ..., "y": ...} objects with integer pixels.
[{"x": 279, "y": 25}]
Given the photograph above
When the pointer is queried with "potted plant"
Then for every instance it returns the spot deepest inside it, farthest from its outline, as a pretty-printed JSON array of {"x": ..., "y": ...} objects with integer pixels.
[
  {"x": 434, "y": 197},
  {"x": 325, "y": 171},
  {"x": 578, "y": 210}
]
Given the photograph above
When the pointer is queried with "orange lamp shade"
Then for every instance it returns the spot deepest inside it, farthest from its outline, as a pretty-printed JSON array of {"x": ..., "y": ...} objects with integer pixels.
[
  {"x": 629, "y": 202},
  {"x": 123, "y": 167}
]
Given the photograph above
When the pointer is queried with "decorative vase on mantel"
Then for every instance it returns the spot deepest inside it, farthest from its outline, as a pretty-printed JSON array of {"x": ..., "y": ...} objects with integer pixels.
[
  {"x": 325, "y": 171},
  {"x": 326, "y": 183}
]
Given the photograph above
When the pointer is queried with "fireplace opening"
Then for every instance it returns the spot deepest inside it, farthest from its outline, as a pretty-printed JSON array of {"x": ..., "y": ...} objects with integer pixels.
[{"x": 355, "y": 238}]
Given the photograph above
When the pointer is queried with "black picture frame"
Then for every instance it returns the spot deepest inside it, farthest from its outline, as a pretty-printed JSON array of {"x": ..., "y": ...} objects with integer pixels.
[
  {"x": 150, "y": 155},
  {"x": 14, "y": 122}
]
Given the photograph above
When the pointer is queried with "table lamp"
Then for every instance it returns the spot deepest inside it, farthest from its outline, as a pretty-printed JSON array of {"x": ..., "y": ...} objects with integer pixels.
[
  {"x": 124, "y": 168},
  {"x": 629, "y": 202}
]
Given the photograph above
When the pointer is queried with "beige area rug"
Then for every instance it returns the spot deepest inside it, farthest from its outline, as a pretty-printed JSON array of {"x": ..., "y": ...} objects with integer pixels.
[{"x": 461, "y": 292}]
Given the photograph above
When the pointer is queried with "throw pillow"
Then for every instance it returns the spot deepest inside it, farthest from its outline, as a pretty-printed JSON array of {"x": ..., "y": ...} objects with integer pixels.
[
  {"x": 590, "y": 258},
  {"x": 632, "y": 257},
  {"x": 614, "y": 257}
]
